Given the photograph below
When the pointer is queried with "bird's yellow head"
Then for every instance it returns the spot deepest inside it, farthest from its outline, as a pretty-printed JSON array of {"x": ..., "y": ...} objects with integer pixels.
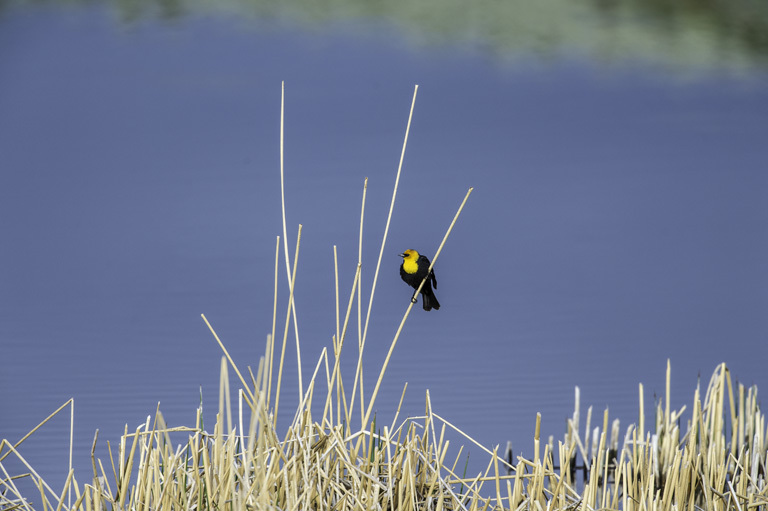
[{"x": 410, "y": 261}]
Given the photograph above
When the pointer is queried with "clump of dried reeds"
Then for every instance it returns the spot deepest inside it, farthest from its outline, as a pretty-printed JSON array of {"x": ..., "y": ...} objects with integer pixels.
[
  {"x": 716, "y": 462},
  {"x": 342, "y": 459}
]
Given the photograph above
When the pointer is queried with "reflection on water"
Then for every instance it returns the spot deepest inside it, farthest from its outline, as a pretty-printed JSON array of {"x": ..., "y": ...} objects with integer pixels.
[{"x": 679, "y": 36}]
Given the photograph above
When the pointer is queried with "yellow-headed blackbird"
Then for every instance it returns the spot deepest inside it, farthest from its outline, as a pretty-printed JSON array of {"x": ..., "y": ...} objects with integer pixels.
[{"x": 413, "y": 270}]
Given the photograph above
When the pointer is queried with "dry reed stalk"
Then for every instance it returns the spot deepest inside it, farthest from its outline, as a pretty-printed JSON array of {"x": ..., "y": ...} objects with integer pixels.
[
  {"x": 285, "y": 234},
  {"x": 389, "y": 215},
  {"x": 358, "y": 371},
  {"x": 271, "y": 337},
  {"x": 408, "y": 310}
]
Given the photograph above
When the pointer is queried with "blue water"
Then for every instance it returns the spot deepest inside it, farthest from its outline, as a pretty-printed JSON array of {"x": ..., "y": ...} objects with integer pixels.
[{"x": 618, "y": 220}]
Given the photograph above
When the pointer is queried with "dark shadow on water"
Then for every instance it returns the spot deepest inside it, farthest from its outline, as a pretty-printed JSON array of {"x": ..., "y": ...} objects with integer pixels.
[{"x": 678, "y": 36}]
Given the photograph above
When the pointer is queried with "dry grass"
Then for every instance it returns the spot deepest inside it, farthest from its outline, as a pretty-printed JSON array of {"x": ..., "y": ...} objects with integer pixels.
[
  {"x": 322, "y": 461},
  {"x": 718, "y": 463}
]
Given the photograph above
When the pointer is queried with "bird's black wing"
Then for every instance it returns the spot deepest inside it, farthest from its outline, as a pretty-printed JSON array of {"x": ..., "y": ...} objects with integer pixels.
[{"x": 431, "y": 276}]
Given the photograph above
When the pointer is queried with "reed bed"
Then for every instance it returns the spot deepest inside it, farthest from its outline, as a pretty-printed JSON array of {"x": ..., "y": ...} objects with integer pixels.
[
  {"x": 717, "y": 462},
  {"x": 334, "y": 455}
]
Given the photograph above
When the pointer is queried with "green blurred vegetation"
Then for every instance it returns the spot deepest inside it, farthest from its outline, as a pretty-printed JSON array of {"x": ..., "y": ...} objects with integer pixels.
[{"x": 676, "y": 34}]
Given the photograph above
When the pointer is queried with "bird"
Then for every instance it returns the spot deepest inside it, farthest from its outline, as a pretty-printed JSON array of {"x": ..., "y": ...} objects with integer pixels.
[{"x": 412, "y": 271}]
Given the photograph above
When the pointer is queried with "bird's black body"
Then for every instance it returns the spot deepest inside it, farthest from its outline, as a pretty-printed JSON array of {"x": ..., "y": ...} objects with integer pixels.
[{"x": 412, "y": 271}]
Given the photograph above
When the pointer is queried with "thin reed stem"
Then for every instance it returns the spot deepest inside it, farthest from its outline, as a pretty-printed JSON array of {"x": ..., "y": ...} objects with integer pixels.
[
  {"x": 389, "y": 215},
  {"x": 358, "y": 380},
  {"x": 271, "y": 352},
  {"x": 229, "y": 358},
  {"x": 69, "y": 402},
  {"x": 408, "y": 311},
  {"x": 285, "y": 230},
  {"x": 292, "y": 281}
]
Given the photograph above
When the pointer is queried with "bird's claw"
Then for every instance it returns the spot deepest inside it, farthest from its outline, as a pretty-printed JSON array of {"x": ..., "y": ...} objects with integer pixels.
[{"x": 413, "y": 299}]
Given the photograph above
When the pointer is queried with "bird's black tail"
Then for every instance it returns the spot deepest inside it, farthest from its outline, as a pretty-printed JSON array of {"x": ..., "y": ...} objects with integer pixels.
[{"x": 429, "y": 299}]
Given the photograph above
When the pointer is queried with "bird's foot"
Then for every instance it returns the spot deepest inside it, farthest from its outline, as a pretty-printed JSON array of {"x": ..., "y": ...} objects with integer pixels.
[{"x": 413, "y": 299}]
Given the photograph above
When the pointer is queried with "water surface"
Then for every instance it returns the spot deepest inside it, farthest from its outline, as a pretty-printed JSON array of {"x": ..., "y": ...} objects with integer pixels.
[{"x": 618, "y": 217}]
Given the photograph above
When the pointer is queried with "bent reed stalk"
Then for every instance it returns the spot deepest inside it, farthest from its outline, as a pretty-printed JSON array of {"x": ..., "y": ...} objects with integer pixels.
[{"x": 717, "y": 462}]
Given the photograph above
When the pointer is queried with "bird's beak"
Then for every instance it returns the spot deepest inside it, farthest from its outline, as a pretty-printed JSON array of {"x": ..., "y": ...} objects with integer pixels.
[{"x": 401, "y": 255}]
